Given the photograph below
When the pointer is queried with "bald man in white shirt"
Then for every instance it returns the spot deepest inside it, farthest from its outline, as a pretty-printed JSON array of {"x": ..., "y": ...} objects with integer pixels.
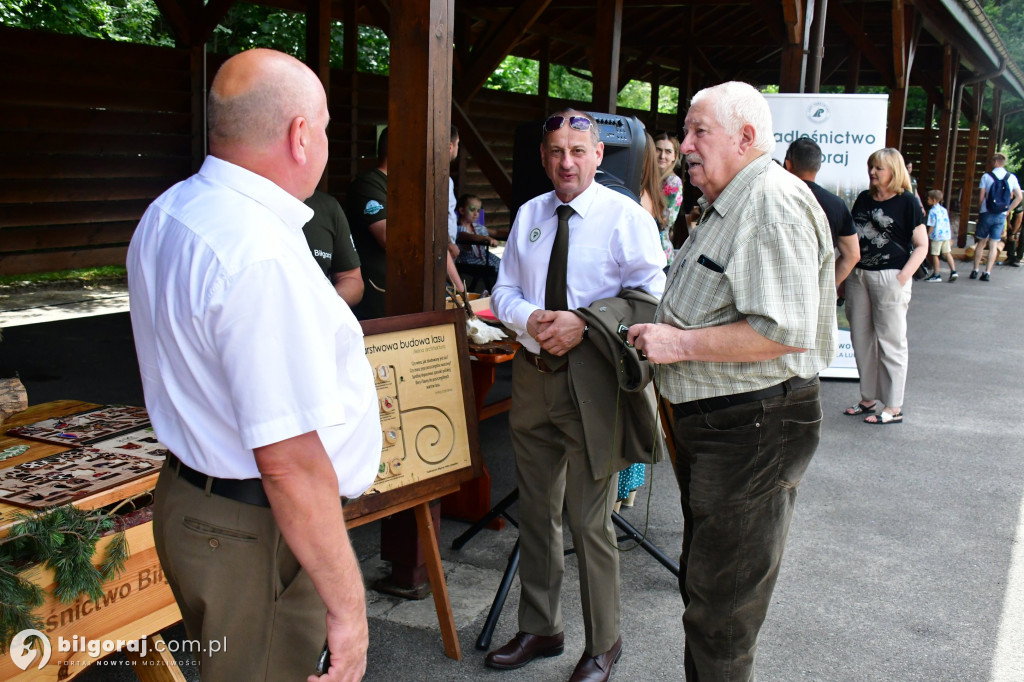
[{"x": 256, "y": 379}]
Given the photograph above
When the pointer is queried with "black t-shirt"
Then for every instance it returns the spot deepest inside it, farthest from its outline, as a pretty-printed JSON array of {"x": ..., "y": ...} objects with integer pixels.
[
  {"x": 886, "y": 229},
  {"x": 365, "y": 204},
  {"x": 840, "y": 221},
  {"x": 328, "y": 235}
]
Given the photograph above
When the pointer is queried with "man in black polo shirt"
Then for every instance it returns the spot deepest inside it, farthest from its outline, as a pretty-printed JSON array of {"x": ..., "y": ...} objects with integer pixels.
[
  {"x": 803, "y": 159},
  {"x": 330, "y": 241}
]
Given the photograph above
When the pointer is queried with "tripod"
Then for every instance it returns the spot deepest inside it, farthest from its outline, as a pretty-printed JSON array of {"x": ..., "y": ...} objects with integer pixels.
[{"x": 483, "y": 642}]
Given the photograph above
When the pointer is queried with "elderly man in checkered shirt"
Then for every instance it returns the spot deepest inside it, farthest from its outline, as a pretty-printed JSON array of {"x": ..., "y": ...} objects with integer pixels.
[{"x": 746, "y": 323}]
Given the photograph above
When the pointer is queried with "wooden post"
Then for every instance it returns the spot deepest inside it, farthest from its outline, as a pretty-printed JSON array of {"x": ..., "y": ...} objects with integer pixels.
[
  {"x": 993, "y": 129},
  {"x": 946, "y": 123},
  {"x": 817, "y": 51},
  {"x": 419, "y": 131},
  {"x": 419, "y": 120},
  {"x": 350, "y": 62},
  {"x": 972, "y": 160},
  {"x": 607, "y": 40},
  {"x": 794, "y": 14},
  {"x": 927, "y": 143},
  {"x": 904, "y": 38}
]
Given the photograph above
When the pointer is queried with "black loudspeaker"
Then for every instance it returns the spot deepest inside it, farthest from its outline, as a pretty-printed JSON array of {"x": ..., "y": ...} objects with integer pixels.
[{"x": 621, "y": 169}]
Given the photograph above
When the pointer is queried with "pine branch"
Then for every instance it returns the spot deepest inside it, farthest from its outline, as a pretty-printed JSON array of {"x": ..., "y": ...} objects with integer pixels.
[{"x": 64, "y": 539}]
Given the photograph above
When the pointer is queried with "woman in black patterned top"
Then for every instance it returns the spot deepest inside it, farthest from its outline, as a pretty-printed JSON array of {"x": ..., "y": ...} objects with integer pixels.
[{"x": 893, "y": 244}]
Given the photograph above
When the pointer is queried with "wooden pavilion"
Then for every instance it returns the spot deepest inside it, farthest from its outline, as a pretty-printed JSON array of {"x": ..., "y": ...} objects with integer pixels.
[{"x": 92, "y": 131}]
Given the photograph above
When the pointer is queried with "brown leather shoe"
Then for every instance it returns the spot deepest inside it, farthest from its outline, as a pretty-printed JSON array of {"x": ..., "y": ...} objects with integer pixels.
[
  {"x": 523, "y": 648},
  {"x": 597, "y": 668}
]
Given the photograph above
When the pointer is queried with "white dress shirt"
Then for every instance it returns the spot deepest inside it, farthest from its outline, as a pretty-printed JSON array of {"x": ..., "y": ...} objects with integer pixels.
[
  {"x": 241, "y": 340},
  {"x": 453, "y": 218},
  {"x": 613, "y": 244}
]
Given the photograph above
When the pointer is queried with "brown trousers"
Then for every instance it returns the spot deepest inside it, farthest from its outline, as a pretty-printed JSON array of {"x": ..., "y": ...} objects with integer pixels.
[
  {"x": 235, "y": 580},
  {"x": 552, "y": 468}
]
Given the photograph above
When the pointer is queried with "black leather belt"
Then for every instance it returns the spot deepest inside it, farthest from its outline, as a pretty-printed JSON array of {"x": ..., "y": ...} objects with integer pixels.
[
  {"x": 705, "y": 405},
  {"x": 538, "y": 362},
  {"x": 247, "y": 491}
]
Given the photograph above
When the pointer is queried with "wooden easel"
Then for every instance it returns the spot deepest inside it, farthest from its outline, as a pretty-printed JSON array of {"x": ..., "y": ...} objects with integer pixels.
[{"x": 432, "y": 553}]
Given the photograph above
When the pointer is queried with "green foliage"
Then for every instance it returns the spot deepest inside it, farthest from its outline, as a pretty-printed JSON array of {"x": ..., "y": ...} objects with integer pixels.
[
  {"x": 1008, "y": 18},
  {"x": 515, "y": 74},
  {"x": 373, "y": 54},
  {"x": 566, "y": 83},
  {"x": 247, "y": 26},
  {"x": 136, "y": 21},
  {"x": 637, "y": 95},
  {"x": 64, "y": 539}
]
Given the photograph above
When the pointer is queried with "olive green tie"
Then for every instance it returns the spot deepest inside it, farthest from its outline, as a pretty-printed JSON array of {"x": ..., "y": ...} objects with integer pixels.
[{"x": 555, "y": 294}]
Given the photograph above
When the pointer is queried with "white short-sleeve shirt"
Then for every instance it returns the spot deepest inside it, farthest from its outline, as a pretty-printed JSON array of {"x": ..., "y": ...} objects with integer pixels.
[
  {"x": 241, "y": 340},
  {"x": 986, "y": 183}
]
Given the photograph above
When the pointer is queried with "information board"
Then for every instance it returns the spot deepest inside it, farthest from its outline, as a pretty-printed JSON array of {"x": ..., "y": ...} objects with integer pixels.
[{"x": 420, "y": 366}]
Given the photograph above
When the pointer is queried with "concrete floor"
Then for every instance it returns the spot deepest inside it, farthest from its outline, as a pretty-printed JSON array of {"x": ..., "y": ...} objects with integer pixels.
[{"x": 900, "y": 564}]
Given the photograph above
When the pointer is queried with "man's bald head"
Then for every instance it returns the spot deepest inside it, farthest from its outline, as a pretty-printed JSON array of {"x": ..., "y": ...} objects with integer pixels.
[
  {"x": 268, "y": 114},
  {"x": 255, "y": 96}
]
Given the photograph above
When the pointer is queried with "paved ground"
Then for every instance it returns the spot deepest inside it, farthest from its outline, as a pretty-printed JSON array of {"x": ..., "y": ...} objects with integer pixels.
[{"x": 900, "y": 565}]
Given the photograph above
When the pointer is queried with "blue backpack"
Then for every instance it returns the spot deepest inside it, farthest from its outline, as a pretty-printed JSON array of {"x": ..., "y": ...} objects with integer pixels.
[{"x": 998, "y": 196}]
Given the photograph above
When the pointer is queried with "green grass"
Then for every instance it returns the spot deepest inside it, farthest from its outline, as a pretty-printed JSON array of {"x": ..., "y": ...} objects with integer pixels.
[{"x": 106, "y": 272}]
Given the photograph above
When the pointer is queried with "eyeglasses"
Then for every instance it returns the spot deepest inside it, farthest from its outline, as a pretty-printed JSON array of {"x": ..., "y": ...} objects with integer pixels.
[
  {"x": 473, "y": 209},
  {"x": 575, "y": 122}
]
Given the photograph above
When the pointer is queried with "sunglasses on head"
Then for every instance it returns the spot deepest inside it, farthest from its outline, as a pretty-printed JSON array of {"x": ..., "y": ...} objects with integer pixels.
[{"x": 575, "y": 122}]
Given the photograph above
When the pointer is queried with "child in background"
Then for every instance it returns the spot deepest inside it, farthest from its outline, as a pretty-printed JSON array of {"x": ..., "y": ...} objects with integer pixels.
[
  {"x": 939, "y": 235},
  {"x": 472, "y": 237}
]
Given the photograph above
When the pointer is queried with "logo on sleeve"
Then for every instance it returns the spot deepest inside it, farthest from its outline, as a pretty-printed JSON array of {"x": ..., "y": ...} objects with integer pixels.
[
  {"x": 373, "y": 207},
  {"x": 534, "y": 234}
]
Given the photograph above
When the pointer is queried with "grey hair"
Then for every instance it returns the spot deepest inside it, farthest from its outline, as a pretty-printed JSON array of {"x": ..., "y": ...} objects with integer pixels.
[{"x": 737, "y": 104}]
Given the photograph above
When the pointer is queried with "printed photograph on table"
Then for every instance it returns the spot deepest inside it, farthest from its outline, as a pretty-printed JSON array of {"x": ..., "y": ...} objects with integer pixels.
[
  {"x": 68, "y": 476},
  {"x": 86, "y": 427}
]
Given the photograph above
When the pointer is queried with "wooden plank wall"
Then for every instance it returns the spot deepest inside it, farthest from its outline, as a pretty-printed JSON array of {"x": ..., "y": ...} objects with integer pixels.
[
  {"x": 913, "y": 141},
  {"x": 91, "y": 132}
]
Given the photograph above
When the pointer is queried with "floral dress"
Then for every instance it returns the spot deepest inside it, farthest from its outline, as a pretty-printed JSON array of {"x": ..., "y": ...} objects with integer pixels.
[{"x": 672, "y": 198}]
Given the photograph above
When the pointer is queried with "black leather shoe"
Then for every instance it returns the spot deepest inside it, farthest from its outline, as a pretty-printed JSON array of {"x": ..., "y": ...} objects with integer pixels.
[
  {"x": 523, "y": 648},
  {"x": 597, "y": 668}
]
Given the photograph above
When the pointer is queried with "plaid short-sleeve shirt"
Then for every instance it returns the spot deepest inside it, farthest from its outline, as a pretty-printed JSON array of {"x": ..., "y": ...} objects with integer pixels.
[{"x": 761, "y": 252}]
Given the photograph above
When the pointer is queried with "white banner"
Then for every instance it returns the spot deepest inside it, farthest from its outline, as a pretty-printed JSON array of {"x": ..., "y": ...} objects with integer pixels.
[{"x": 848, "y": 128}]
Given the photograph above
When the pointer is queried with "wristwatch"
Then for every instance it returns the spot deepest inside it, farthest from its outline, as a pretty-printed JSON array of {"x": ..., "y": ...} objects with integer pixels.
[{"x": 586, "y": 332}]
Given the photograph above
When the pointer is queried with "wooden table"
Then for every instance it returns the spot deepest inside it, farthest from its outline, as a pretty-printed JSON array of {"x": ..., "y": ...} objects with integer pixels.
[
  {"x": 136, "y": 604},
  {"x": 473, "y": 499}
]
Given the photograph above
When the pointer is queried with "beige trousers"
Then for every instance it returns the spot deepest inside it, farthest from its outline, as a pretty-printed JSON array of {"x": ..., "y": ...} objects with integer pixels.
[
  {"x": 876, "y": 305},
  {"x": 235, "y": 580},
  {"x": 552, "y": 468}
]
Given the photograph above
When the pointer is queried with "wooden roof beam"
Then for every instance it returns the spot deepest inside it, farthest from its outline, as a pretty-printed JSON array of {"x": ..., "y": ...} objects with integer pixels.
[
  {"x": 606, "y": 55},
  {"x": 489, "y": 163},
  {"x": 853, "y": 29},
  {"x": 488, "y": 57}
]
